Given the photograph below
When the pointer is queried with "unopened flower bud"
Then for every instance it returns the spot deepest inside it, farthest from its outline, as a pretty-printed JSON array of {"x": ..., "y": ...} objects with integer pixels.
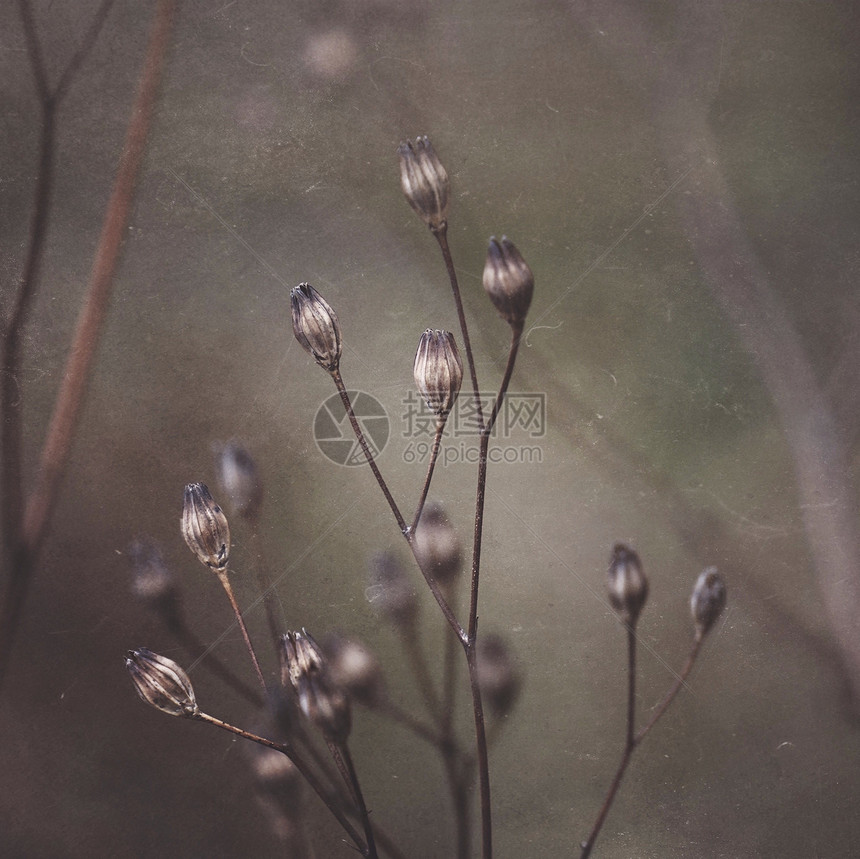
[
  {"x": 325, "y": 704},
  {"x": 239, "y": 479},
  {"x": 438, "y": 371},
  {"x": 152, "y": 581},
  {"x": 437, "y": 544},
  {"x": 390, "y": 591},
  {"x": 425, "y": 182},
  {"x": 354, "y": 668},
  {"x": 628, "y": 586},
  {"x": 316, "y": 327},
  {"x": 498, "y": 678},
  {"x": 161, "y": 682},
  {"x": 708, "y": 600},
  {"x": 508, "y": 280},
  {"x": 204, "y": 527}
]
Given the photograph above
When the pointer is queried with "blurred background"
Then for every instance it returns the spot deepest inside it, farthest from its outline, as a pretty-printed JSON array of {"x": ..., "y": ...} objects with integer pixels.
[{"x": 683, "y": 180}]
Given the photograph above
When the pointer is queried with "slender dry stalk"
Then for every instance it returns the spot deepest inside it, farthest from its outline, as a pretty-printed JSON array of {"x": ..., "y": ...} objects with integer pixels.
[{"x": 25, "y": 531}]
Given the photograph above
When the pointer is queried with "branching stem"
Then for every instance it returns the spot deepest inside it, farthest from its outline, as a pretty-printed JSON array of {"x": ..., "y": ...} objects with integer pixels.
[{"x": 301, "y": 766}]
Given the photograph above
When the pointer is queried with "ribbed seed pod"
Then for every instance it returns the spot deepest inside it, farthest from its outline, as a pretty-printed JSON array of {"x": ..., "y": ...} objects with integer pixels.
[
  {"x": 438, "y": 371},
  {"x": 316, "y": 326},
  {"x": 425, "y": 182},
  {"x": 204, "y": 527},
  {"x": 508, "y": 280},
  {"x": 161, "y": 683},
  {"x": 305, "y": 669}
]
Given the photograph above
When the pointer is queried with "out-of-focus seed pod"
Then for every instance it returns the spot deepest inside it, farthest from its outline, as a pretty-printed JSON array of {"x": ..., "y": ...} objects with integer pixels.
[
  {"x": 438, "y": 371},
  {"x": 305, "y": 669},
  {"x": 152, "y": 582},
  {"x": 239, "y": 479},
  {"x": 708, "y": 600},
  {"x": 279, "y": 787},
  {"x": 498, "y": 677},
  {"x": 390, "y": 591},
  {"x": 508, "y": 280},
  {"x": 354, "y": 668},
  {"x": 205, "y": 528},
  {"x": 161, "y": 683},
  {"x": 316, "y": 326},
  {"x": 628, "y": 586},
  {"x": 273, "y": 771},
  {"x": 437, "y": 544},
  {"x": 425, "y": 182}
]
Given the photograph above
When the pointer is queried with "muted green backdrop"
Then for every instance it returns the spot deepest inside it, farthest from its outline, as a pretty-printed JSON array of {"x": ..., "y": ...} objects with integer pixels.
[{"x": 612, "y": 142}]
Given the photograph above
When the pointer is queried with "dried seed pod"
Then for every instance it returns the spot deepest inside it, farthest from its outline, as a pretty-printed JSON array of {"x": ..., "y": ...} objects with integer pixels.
[
  {"x": 498, "y": 677},
  {"x": 305, "y": 668},
  {"x": 508, "y": 280},
  {"x": 316, "y": 326},
  {"x": 238, "y": 478},
  {"x": 391, "y": 592},
  {"x": 437, "y": 544},
  {"x": 708, "y": 600},
  {"x": 354, "y": 667},
  {"x": 628, "y": 586},
  {"x": 161, "y": 683},
  {"x": 425, "y": 182},
  {"x": 204, "y": 527},
  {"x": 438, "y": 371}
]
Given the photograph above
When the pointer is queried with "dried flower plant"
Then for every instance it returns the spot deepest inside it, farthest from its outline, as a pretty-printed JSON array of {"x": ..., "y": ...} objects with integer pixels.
[{"x": 320, "y": 684}]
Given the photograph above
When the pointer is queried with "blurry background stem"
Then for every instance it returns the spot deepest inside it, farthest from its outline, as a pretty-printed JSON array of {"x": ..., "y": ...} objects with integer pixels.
[{"x": 25, "y": 527}]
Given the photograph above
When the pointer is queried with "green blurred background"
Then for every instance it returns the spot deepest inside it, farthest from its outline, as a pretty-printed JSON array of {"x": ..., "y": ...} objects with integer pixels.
[{"x": 581, "y": 130}]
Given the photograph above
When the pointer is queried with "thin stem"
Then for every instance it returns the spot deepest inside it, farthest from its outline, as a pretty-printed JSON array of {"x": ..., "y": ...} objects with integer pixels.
[
  {"x": 174, "y": 619},
  {"x": 673, "y": 691},
  {"x": 359, "y": 797},
  {"x": 434, "y": 455},
  {"x": 24, "y": 528},
  {"x": 516, "y": 336},
  {"x": 457, "y": 764},
  {"x": 516, "y": 333},
  {"x": 458, "y": 784},
  {"x": 401, "y": 522},
  {"x": 301, "y": 766},
  {"x": 225, "y": 581},
  {"x": 483, "y": 755},
  {"x": 387, "y": 843},
  {"x": 442, "y": 238},
  {"x": 70, "y": 397},
  {"x": 422, "y": 674},
  {"x": 359, "y": 434},
  {"x": 629, "y": 745},
  {"x": 447, "y": 611},
  {"x": 264, "y": 582},
  {"x": 85, "y": 47},
  {"x": 407, "y": 720}
]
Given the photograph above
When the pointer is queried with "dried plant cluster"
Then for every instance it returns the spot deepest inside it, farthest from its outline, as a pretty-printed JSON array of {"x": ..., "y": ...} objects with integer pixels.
[{"x": 310, "y": 710}]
